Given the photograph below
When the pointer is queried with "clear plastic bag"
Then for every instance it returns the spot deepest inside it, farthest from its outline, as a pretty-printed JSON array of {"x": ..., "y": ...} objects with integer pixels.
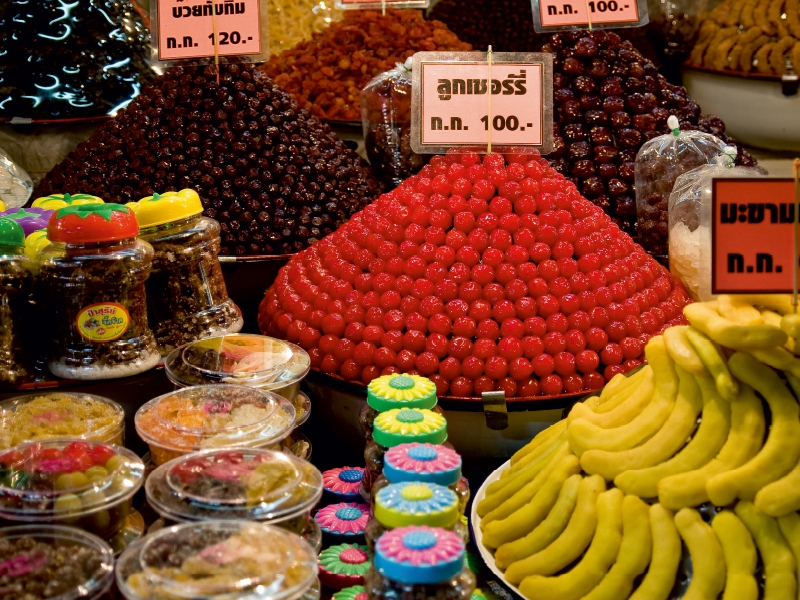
[
  {"x": 15, "y": 184},
  {"x": 690, "y": 221},
  {"x": 659, "y": 163},
  {"x": 293, "y": 21},
  {"x": 386, "y": 119}
]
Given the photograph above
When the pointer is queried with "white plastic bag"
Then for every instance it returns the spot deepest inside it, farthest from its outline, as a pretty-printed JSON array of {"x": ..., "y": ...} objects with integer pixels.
[{"x": 15, "y": 184}]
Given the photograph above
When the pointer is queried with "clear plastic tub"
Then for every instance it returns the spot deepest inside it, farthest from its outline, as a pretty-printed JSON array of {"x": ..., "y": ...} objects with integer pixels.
[
  {"x": 248, "y": 484},
  {"x": 59, "y": 415},
  {"x": 241, "y": 359},
  {"x": 213, "y": 416},
  {"x": 89, "y": 485},
  {"x": 58, "y": 563},
  {"x": 219, "y": 559}
]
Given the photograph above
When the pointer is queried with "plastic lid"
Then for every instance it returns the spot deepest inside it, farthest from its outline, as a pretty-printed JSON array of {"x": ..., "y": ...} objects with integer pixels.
[
  {"x": 247, "y": 484},
  {"x": 422, "y": 462},
  {"x": 349, "y": 560},
  {"x": 64, "y": 480},
  {"x": 214, "y": 416},
  {"x": 343, "y": 518},
  {"x": 35, "y": 241},
  {"x": 393, "y": 391},
  {"x": 2, "y": 205},
  {"x": 404, "y": 425},
  {"x": 94, "y": 571},
  {"x": 11, "y": 233},
  {"x": 242, "y": 359},
  {"x": 416, "y": 503},
  {"x": 92, "y": 223},
  {"x": 419, "y": 555},
  {"x": 228, "y": 559},
  {"x": 356, "y": 592},
  {"x": 30, "y": 219},
  {"x": 57, "y": 201},
  {"x": 345, "y": 481},
  {"x": 166, "y": 208}
]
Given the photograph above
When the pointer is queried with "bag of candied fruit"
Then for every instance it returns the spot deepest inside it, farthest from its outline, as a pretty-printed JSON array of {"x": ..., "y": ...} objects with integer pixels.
[
  {"x": 386, "y": 119},
  {"x": 690, "y": 221},
  {"x": 659, "y": 163}
]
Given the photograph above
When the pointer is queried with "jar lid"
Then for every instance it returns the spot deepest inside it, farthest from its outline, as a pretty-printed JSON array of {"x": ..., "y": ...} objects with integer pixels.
[
  {"x": 30, "y": 219},
  {"x": 92, "y": 223},
  {"x": 214, "y": 416},
  {"x": 419, "y": 555},
  {"x": 2, "y": 205},
  {"x": 238, "y": 358},
  {"x": 63, "y": 479},
  {"x": 35, "y": 241},
  {"x": 356, "y": 592},
  {"x": 11, "y": 233},
  {"x": 343, "y": 519},
  {"x": 57, "y": 201},
  {"x": 402, "y": 425},
  {"x": 401, "y": 391},
  {"x": 349, "y": 560},
  {"x": 218, "y": 559},
  {"x": 344, "y": 481},
  {"x": 433, "y": 463},
  {"x": 247, "y": 484},
  {"x": 416, "y": 503},
  {"x": 159, "y": 209}
]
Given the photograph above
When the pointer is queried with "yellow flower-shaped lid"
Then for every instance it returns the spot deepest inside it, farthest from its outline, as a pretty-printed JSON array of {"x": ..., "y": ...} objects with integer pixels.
[
  {"x": 35, "y": 242},
  {"x": 404, "y": 425},
  {"x": 59, "y": 201},
  {"x": 396, "y": 391},
  {"x": 168, "y": 207}
]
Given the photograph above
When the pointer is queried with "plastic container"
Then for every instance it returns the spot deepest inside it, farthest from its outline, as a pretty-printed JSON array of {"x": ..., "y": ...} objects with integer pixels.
[
  {"x": 58, "y": 415},
  {"x": 213, "y": 416},
  {"x": 229, "y": 560},
  {"x": 343, "y": 521},
  {"x": 30, "y": 219},
  {"x": 343, "y": 484},
  {"x": 59, "y": 201},
  {"x": 343, "y": 565},
  {"x": 92, "y": 279},
  {"x": 356, "y": 592},
  {"x": 58, "y": 563},
  {"x": 186, "y": 295},
  {"x": 16, "y": 282},
  {"x": 248, "y": 484},
  {"x": 419, "y": 562},
  {"x": 397, "y": 391},
  {"x": 242, "y": 359},
  {"x": 89, "y": 485}
]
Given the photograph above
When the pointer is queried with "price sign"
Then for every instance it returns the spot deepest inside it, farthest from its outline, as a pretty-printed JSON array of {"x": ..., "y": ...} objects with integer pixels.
[
  {"x": 752, "y": 236},
  {"x": 188, "y": 29},
  {"x": 380, "y": 4},
  {"x": 456, "y": 102},
  {"x": 556, "y": 15}
]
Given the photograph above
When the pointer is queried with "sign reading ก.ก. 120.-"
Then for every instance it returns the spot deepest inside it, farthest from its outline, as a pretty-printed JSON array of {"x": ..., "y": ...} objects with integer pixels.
[
  {"x": 752, "y": 236},
  {"x": 454, "y": 103},
  {"x": 554, "y": 15}
]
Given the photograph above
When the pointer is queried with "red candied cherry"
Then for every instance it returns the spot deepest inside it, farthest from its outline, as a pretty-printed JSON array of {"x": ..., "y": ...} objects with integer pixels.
[
  {"x": 371, "y": 299},
  {"x": 415, "y": 233},
  {"x": 510, "y": 222},
  {"x": 649, "y": 322},
  {"x": 633, "y": 326},
  {"x": 547, "y": 305},
  {"x": 504, "y": 310},
  {"x": 393, "y": 319},
  {"x": 510, "y": 348},
  {"x": 435, "y": 272},
  {"x": 543, "y": 365},
  {"x": 409, "y": 305},
  {"x": 616, "y": 311},
  {"x": 394, "y": 266},
  {"x": 447, "y": 290},
  {"x": 464, "y": 327},
  {"x": 427, "y": 252},
  {"x": 334, "y": 324},
  {"x": 488, "y": 329},
  {"x": 500, "y": 206},
  {"x": 631, "y": 364},
  {"x": 588, "y": 300},
  {"x": 431, "y": 305},
  {"x": 435, "y": 235},
  {"x": 390, "y": 370},
  {"x": 551, "y": 385},
  {"x": 529, "y": 388},
  {"x": 294, "y": 330},
  {"x": 496, "y": 367},
  {"x": 587, "y": 361},
  {"x": 406, "y": 250},
  {"x": 520, "y": 369},
  {"x": 458, "y": 308},
  {"x": 593, "y": 381},
  {"x": 464, "y": 221},
  {"x": 505, "y": 272},
  {"x": 416, "y": 322},
  {"x": 516, "y": 168},
  {"x": 600, "y": 317},
  {"x": 457, "y": 202},
  {"x": 456, "y": 170},
  {"x": 364, "y": 353},
  {"x": 459, "y": 347},
  {"x": 441, "y": 218},
  {"x": 477, "y": 206},
  {"x": 513, "y": 327},
  {"x": 493, "y": 293},
  {"x": 478, "y": 239},
  {"x": 480, "y": 310},
  {"x": 389, "y": 300},
  {"x": 616, "y": 331},
  {"x": 492, "y": 257},
  {"x": 565, "y": 363},
  {"x": 315, "y": 354},
  {"x": 440, "y": 323},
  {"x": 427, "y": 363},
  {"x": 468, "y": 255},
  {"x": 483, "y": 189},
  {"x": 562, "y": 249},
  {"x": 329, "y": 364},
  {"x": 576, "y": 341},
  {"x": 354, "y": 332},
  {"x": 508, "y": 386},
  {"x": 631, "y": 347},
  {"x": 511, "y": 189},
  {"x": 573, "y": 383},
  {"x": 414, "y": 341},
  {"x": 611, "y": 354},
  {"x": 482, "y": 274},
  {"x": 461, "y": 387},
  {"x": 497, "y": 176},
  {"x": 579, "y": 320},
  {"x": 610, "y": 371},
  {"x": 539, "y": 252},
  {"x": 559, "y": 287},
  {"x": 459, "y": 273},
  {"x": 423, "y": 287},
  {"x": 578, "y": 283},
  {"x": 327, "y": 343},
  {"x": 547, "y": 234},
  {"x": 535, "y": 326},
  {"x": 437, "y": 344},
  {"x": 442, "y": 384},
  {"x": 99, "y": 454},
  {"x": 350, "y": 370},
  {"x": 309, "y": 338},
  {"x": 596, "y": 338},
  {"x": 445, "y": 255},
  {"x": 554, "y": 342},
  {"x": 372, "y": 334},
  {"x": 524, "y": 236},
  {"x": 631, "y": 307},
  {"x": 483, "y": 384},
  {"x": 484, "y": 348},
  {"x": 501, "y": 239},
  {"x": 537, "y": 287},
  {"x": 385, "y": 357},
  {"x": 472, "y": 367},
  {"x": 393, "y": 340},
  {"x": 525, "y": 307},
  {"x": 557, "y": 322},
  {"x": 406, "y": 360},
  {"x": 548, "y": 269},
  {"x": 455, "y": 239},
  {"x": 532, "y": 346},
  {"x": 603, "y": 295},
  {"x": 517, "y": 254}
]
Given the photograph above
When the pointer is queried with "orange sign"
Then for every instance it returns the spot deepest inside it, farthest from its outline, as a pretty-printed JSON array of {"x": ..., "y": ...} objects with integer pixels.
[
  {"x": 559, "y": 14},
  {"x": 752, "y": 236}
]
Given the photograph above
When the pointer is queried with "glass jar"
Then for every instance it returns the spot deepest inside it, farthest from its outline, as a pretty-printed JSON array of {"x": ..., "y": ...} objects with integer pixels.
[
  {"x": 424, "y": 462},
  {"x": 59, "y": 415},
  {"x": 419, "y": 562},
  {"x": 92, "y": 279},
  {"x": 186, "y": 295},
  {"x": 230, "y": 560},
  {"x": 396, "y": 391},
  {"x": 213, "y": 416},
  {"x": 16, "y": 282},
  {"x": 343, "y": 565},
  {"x": 395, "y": 427},
  {"x": 56, "y": 562},
  {"x": 241, "y": 359}
]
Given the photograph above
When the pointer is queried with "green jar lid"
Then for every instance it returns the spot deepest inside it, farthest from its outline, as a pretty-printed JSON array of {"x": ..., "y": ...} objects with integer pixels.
[
  {"x": 403, "y": 425},
  {"x": 11, "y": 233},
  {"x": 401, "y": 391}
]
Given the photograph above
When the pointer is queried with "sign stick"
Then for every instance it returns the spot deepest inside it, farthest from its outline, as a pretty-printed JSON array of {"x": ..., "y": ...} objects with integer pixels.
[
  {"x": 588, "y": 15},
  {"x": 216, "y": 40},
  {"x": 489, "y": 122},
  {"x": 796, "y": 173},
  {"x": 383, "y": 7}
]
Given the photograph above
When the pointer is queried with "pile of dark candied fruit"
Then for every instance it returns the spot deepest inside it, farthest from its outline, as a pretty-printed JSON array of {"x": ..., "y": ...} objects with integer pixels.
[
  {"x": 64, "y": 60},
  {"x": 275, "y": 178}
]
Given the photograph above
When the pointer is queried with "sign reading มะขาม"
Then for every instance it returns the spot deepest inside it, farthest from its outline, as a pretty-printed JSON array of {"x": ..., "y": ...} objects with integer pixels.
[
  {"x": 455, "y": 102},
  {"x": 752, "y": 236},
  {"x": 555, "y": 15}
]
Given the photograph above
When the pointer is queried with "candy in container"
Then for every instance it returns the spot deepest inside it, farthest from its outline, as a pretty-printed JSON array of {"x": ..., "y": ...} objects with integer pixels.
[
  {"x": 397, "y": 391},
  {"x": 343, "y": 521},
  {"x": 30, "y": 219},
  {"x": 343, "y": 483},
  {"x": 343, "y": 565},
  {"x": 16, "y": 282},
  {"x": 213, "y": 416}
]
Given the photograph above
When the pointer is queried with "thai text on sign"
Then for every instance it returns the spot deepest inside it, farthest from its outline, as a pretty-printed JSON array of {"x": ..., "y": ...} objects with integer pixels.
[{"x": 551, "y": 15}]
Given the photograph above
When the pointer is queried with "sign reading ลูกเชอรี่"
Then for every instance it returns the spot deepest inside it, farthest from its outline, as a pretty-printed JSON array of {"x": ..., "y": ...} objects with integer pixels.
[
  {"x": 456, "y": 103},
  {"x": 380, "y": 4},
  {"x": 556, "y": 15},
  {"x": 752, "y": 236}
]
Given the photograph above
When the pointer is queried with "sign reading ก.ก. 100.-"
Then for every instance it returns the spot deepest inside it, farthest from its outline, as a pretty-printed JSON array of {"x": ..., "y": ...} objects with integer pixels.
[
  {"x": 456, "y": 103},
  {"x": 555, "y": 15}
]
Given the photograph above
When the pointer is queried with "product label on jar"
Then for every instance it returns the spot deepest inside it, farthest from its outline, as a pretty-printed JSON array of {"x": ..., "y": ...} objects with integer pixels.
[
  {"x": 554, "y": 15},
  {"x": 104, "y": 322},
  {"x": 752, "y": 236}
]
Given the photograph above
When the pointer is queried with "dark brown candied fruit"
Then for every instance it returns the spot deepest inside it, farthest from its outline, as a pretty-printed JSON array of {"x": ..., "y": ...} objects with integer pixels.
[{"x": 276, "y": 178}]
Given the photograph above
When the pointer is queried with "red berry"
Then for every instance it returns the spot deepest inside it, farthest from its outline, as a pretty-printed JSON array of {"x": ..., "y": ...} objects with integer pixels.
[
  {"x": 472, "y": 367},
  {"x": 543, "y": 365},
  {"x": 449, "y": 368},
  {"x": 520, "y": 369},
  {"x": 532, "y": 346},
  {"x": 484, "y": 348},
  {"x": 554, "y": 342},
  {"x": 529, "y": 388},
  {"x": 496, "y": 367},
  {"x": 596, "y": 339},
  {"x": 461, "y": 387},
  {"x": 483, "y": 384},
  {"x": 551, "y": 385},
  {"x": 594, "y": 381},
  {"x": 573, "y": 383},
  {"x": 611, "y": 354}
]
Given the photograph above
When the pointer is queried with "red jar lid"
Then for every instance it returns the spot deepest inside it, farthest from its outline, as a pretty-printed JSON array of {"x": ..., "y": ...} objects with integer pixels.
[{"x": 92, "y": 223}]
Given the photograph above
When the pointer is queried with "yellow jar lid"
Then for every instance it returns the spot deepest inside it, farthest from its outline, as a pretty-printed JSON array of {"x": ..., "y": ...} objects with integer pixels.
[
  {"x": 35, "y": 242},
  {"x": 166, "y": 208},
  {"x": 59, "y": 201},
  {"x": 2, "y": 206}
]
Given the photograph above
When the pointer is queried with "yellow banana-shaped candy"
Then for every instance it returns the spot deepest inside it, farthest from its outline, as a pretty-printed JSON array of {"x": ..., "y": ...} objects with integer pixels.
[
  {"x": 729, "y": 334},
  {"x": 664, "y": 444},
  {"x": 779, "y": 358},
  {"x": 572, "y": 542},
  {"x": 681, "y": 350},
  {"x": 707, "y": 441},
  {"x": 781, "y": 451},
  {"x": 740, "y": 557},
  {"x": 617, "y": 384},
  {"x": 545, "y": 532},
  {"x": 774, "y": 319},
  {"x": 542, "y": 438},
  {"x": 660, "y": 578},
  {"x": 714, "y": 361},
  {"x": 708, "y": 562},
  {"x": 781, "y": 303},
  {"x": 738, "y": 310},
  {"x": 790, "y": 528},
  {"x": 602, "y": 552},
  {"x": 780, "y": 497},
  {"x": 632, "y": 383},
  {"x": 780, "y": 567},
  {"x": 634, "y": 553},
  {"x": 791, "y": 325},
  {"x": 622, "y": 413}
]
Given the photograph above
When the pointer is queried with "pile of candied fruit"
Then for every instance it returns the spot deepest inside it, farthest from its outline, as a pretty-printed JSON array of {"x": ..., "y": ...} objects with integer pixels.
[{"x": 482, "y": 273}]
